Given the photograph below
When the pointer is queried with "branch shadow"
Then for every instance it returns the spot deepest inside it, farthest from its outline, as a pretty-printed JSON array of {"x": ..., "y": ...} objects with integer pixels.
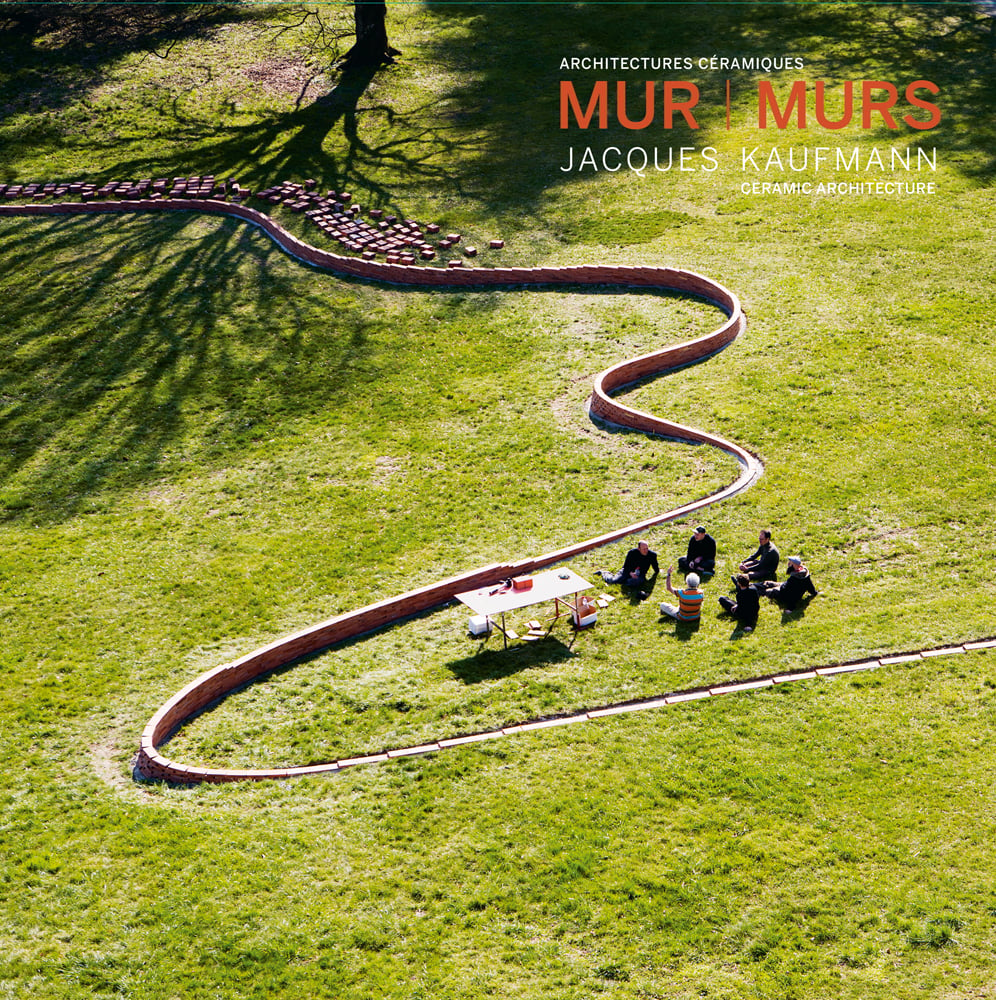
[
  {"x": 516, "y": 114},
  {"x": 54, "y": 53},
  {"x": 492, "y": 137},
  {"x": 128, "y": 342},
  {"x": 324, "y": 140}
]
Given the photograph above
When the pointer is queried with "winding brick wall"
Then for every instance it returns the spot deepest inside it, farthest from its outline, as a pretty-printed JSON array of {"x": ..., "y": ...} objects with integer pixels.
[{"x": 603, "y": 405}]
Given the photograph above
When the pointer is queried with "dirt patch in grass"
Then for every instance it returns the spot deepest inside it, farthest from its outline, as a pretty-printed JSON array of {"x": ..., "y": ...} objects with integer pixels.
[
  {"x": 569, "y": 407},
  {"x": 885, "y": 545},
  {"x": 287, "y": 76},
  {"x": 387, "y": 468},
  {"x": 103, "y": 756}
]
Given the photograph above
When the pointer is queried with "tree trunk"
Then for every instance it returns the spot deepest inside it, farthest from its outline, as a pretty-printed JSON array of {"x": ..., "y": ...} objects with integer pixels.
[{"x": 371, "y": 48}]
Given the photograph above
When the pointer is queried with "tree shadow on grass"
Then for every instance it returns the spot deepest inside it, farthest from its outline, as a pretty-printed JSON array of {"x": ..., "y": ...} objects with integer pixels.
[
  {"x": 505, "y": 106},
  {"x": 58, "y": 58},
  {"x": 324, "y": 140},
  {"x": 145, "y": 333},
  {"x": 493, "y": 137},
  {"x": 126, "y": 336},
  {"x": 55, "y": 53}
]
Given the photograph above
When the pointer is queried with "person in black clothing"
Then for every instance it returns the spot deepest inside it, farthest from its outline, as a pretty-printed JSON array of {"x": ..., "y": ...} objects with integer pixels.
[
  {"x": 797, "y": 585},
  {"x": 747, "y": 605},
  {"x": 763, "y": 564},
  {"x": 639, "y": 562},
  {"x": 701, "y": 556}
]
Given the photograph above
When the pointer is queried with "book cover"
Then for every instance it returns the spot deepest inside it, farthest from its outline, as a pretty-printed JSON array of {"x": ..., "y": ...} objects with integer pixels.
[{"x": 314, "y": 317}]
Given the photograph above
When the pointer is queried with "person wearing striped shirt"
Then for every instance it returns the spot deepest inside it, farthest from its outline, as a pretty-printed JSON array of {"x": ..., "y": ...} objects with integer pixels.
[{"x": 690, "y": 598}]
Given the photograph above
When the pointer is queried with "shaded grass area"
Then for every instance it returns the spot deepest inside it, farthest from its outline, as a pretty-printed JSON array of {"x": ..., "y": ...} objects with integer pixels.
[
  {"x": 205, "y": 446},
  {"x": 451, "y": 113},
  {"x": 162, "y": 349}
]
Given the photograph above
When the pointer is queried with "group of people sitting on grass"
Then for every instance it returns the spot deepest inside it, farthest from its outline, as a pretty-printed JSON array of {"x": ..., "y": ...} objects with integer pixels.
[{"x": 756, "y": 578}]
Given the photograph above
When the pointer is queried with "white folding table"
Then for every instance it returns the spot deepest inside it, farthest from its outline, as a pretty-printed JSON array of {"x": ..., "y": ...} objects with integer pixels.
[{"x": 551, "y": 585}]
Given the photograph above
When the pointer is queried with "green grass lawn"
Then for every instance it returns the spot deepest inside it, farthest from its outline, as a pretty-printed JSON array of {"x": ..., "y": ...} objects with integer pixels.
[{"x": 206, "y": 446}]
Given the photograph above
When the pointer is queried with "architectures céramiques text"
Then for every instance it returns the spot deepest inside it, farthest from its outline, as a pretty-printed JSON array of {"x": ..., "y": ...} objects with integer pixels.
[{"x": 659, "y": 110}]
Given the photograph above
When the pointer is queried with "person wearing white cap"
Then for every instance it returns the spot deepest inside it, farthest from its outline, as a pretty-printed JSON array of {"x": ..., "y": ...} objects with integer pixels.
[{"x": 797, "y": 585}]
